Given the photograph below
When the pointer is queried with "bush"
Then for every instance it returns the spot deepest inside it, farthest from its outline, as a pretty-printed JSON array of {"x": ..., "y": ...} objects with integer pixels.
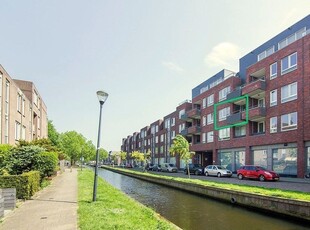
[
  {"x": 46, "y": 163},
  {"x": 26, "y": 184}
]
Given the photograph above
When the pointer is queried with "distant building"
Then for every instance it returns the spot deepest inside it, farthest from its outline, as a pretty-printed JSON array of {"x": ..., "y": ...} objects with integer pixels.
[
  {"x": 259, "y": 115},
  {"x": 22, "y": 111}
]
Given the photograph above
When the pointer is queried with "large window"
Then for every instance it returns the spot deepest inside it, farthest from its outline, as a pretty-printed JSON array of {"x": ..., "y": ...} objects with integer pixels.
[
  {"x": 273, "y": 124},
  {"x": 285, "y": 161},
  {"x": 289, "y": 92},
  {"x": 273, "y": 70},
  {"x": 289, "y": 121},
  {"x": 204, "y": 103},
  {"x": 260, "y": 158},
  {"x": 203, "y": 137},
  {"x": 17, "y": 130},
  {"x": 265, "y": 53},
  {"x": 204, "y": 120},
  {"x": 273, "y": 97},
  {"x": 223, "y": 93},
  {"x": 289, "y": 63},
  {"x": 223, "y": 113},
  {"x": 293, "y": 37}
]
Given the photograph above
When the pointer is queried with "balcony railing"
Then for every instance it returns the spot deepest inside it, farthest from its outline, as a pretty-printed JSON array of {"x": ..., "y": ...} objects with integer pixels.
[
  {"x": 256, "y": 113},
  {"x": 194, "y": 113},
  {"x": 253, "y": 89},
  {"x": 194, "y": 130}
]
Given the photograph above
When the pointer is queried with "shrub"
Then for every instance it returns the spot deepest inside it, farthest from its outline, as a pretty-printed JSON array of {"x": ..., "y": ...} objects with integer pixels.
[
  {"x": 26, "y": 184},
  {"x": 46, "y": 163}
]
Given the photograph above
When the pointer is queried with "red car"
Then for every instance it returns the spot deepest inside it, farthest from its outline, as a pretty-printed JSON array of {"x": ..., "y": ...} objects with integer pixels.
[{"x": 256, "y": 172}]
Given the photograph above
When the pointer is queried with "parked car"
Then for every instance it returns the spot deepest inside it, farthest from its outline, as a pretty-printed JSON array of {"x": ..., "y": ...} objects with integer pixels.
[
  {"x": 196, "y": 169},
  {"x": 256, "y": 172},
  {"x": 156, "y": 168},
  {"x": 169, "y": 167},
  {"x": 217, "y": 170},
  {"x": 149, "y": 166},
  {"x": 128, "y": 165}
]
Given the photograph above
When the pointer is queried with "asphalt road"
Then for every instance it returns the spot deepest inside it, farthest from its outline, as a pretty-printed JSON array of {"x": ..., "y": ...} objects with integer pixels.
[{"x": 295, "y": 184}]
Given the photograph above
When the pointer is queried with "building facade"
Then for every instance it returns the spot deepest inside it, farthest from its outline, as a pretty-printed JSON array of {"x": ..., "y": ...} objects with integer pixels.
[
  {"x": 259, "y": 115},
  {"x": 23, "y": 114}
]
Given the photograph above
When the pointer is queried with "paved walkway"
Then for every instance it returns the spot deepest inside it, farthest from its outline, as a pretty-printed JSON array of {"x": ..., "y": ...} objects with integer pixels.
[{"x": 55, "y": 207}]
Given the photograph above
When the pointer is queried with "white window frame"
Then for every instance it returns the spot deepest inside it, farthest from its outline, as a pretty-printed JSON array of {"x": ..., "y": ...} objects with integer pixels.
[
  {"x": 273, "y": 101},
  {"x": 224, "y": 113},
  {"x": 273, "y": 75},
  {"x": 291, "y": 92},
  {"x": 204, "y": 103},
  {"x": 223, "y": 93},
  {"x": 265, "y": 53},
  {"x": 204, "y": 120},
  {"x": 203, "y": 137},
  {"x": 273, "y": 125},
  {"x": 210, "y": 100},
  {"x": 210, "y": 137},
  {"x": 291, "y": 126},
  {"x": 242, "y": 130},
  {"x": 17, "y": 130},
  {"x": 210, "y": 118},
  {"x": 295, "y": 36},
  {"x": 290, "y": 66},
  {"x": 224, "y": 134}
]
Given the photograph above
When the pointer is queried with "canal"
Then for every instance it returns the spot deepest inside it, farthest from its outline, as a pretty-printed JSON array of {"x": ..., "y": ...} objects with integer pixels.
[{"x": 194, "y": 212}]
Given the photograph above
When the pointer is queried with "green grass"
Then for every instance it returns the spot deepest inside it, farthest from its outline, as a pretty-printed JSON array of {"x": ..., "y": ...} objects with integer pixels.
[
  {"x": 272, "y": 192},
  {"x": 113, "y": 209}
]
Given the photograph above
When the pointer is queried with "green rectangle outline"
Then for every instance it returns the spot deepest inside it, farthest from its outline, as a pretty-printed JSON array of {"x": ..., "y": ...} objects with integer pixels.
[{"x": 246, "y": 97}]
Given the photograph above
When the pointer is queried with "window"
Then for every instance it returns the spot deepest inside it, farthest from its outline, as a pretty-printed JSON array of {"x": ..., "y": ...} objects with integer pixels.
[
  {"x": 289, "y": 121},
  {"x": 273, "y": 124},
  {"x": 289, "y": 63},
  {"x": 240, "y": 131},
  {"x": 289, "y": 92},
  {"x": 210, "y": 137},
  {"x": 17, "y": 130},
  {"x": 265, "y": 53},
  {"x": 210, "y": 118},
  {"x": 224, "y": 133},
  {"x": 173, "y": 135},
  {"x": 211, "y": 100},
  {"x": 203, "y": 137},
  {"x": 19, "y": 103},
  {"x": 156, "y": 139},
  {"x": 181, "y": 127},
  {"x": 273, "y": 70},
  {"x": 156, "y": 128},
  {"x": 204, "y": 103},
  {"x": 258, "y": 127},
  {"x": 223, "y": 93},
  {"x": 273, "y": 97},
  {"x": 162, "y": 138},
  {"x": 173, "y": 121},
  {"x": 223, "y": 113},
  {"x": 182, "y": 112}
]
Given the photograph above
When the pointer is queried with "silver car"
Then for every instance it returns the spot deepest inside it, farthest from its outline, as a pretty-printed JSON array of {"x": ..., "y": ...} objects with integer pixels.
[
  {"x": 168, "y": 167},
  {"x": 217, "y": 170}
]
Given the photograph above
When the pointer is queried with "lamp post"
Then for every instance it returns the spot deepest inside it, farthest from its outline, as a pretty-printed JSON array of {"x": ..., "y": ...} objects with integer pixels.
[{"x": 102, "y": 97}]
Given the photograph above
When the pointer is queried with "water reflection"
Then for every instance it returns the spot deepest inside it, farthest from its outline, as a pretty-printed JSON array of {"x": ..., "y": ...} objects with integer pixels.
[{"x": 194, "y": 212}]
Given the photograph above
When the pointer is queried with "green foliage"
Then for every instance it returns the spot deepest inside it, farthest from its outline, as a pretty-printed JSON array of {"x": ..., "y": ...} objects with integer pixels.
[
  {"x": 53, "y": 135},
  {"x": 26, "y": 184},
  {"x": 4, "y": 154},
  {"x": 46, "y": 163},
  {"x": 22, "y": 159},
  {"x": 181, "y": 146}
]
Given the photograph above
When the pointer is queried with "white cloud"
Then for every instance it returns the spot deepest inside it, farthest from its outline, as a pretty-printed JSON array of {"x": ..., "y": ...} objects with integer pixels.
[
  {"x": 172, "y": 66},
  {"x": 225, "y": 55}
]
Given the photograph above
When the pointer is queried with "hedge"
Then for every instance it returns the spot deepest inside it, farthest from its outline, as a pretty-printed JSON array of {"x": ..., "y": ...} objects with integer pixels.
[{"x": 26, "y": 184}]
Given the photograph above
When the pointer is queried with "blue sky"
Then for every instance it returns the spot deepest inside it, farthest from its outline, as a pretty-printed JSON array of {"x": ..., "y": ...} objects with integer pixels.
[{"x": 147, "y": 54}]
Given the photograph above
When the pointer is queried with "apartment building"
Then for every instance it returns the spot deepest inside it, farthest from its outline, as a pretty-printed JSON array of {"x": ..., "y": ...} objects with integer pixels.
[
  {"x": 22, "y": 111},
  {"x": 259, "y": 115}
]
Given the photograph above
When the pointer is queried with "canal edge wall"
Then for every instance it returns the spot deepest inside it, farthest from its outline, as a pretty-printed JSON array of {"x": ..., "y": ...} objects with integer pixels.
[{"x": 292, "y": 208}]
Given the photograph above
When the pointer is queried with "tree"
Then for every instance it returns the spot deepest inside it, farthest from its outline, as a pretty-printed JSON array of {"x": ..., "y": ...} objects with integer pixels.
[
  {"x": 123, "y": 156},
  {"x": 140, "y": 157},
  {"x": 103, "y": 154},
  {"x": 181, "y": 146},
  {"x": 71, "y": 144},
  {"x": 53, "y": 135}
]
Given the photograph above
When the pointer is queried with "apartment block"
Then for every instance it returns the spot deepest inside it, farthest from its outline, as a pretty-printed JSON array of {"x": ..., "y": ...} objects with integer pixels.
[
  {"x": 257, "y": 115},
  {"x": 22, "y": 111}
]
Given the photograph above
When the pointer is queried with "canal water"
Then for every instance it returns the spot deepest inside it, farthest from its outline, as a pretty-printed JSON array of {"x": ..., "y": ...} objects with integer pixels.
[{"x": 195, "y": 212}]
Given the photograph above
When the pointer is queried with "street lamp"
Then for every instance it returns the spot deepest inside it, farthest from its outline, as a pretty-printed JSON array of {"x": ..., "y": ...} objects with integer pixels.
[{"x": 102, "y": 97}]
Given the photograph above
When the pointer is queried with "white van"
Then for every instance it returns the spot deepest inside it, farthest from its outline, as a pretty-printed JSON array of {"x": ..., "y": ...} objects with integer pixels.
[{"x": 168, "y": 167}]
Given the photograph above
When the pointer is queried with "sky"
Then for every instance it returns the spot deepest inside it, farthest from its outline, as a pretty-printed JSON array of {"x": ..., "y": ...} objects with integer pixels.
[{"x": 146, "y": 54}]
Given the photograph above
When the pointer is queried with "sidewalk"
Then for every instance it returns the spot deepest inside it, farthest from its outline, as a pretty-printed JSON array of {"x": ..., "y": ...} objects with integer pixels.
[{"x": 55, "y": 207}]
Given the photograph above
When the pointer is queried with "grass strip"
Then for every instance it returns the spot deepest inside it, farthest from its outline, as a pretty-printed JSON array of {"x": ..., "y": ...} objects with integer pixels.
[
  {"x": 272, "y": 192},
  {"x": 113, "y": 209}
]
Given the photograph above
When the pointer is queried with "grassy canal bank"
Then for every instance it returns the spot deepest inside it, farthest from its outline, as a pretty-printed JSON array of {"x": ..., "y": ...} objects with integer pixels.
[{"x": 113, "y": 209}]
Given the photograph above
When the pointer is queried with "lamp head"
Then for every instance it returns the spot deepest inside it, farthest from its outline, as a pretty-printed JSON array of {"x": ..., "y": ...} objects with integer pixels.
[{"x": 102, "y": 96}]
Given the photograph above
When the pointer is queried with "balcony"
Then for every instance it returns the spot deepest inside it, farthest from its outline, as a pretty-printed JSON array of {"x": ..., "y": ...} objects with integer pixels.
[
  {"x": 184, "y": 117},
  {"x": 255, "y": 89},
  {"x": 256, "y": 114},
  {"x": 184, "y": 132},
  {"x": 194, "y": 114},
  {"x": 194, "y": 130},
  {"x": 234, "y": 118}
]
